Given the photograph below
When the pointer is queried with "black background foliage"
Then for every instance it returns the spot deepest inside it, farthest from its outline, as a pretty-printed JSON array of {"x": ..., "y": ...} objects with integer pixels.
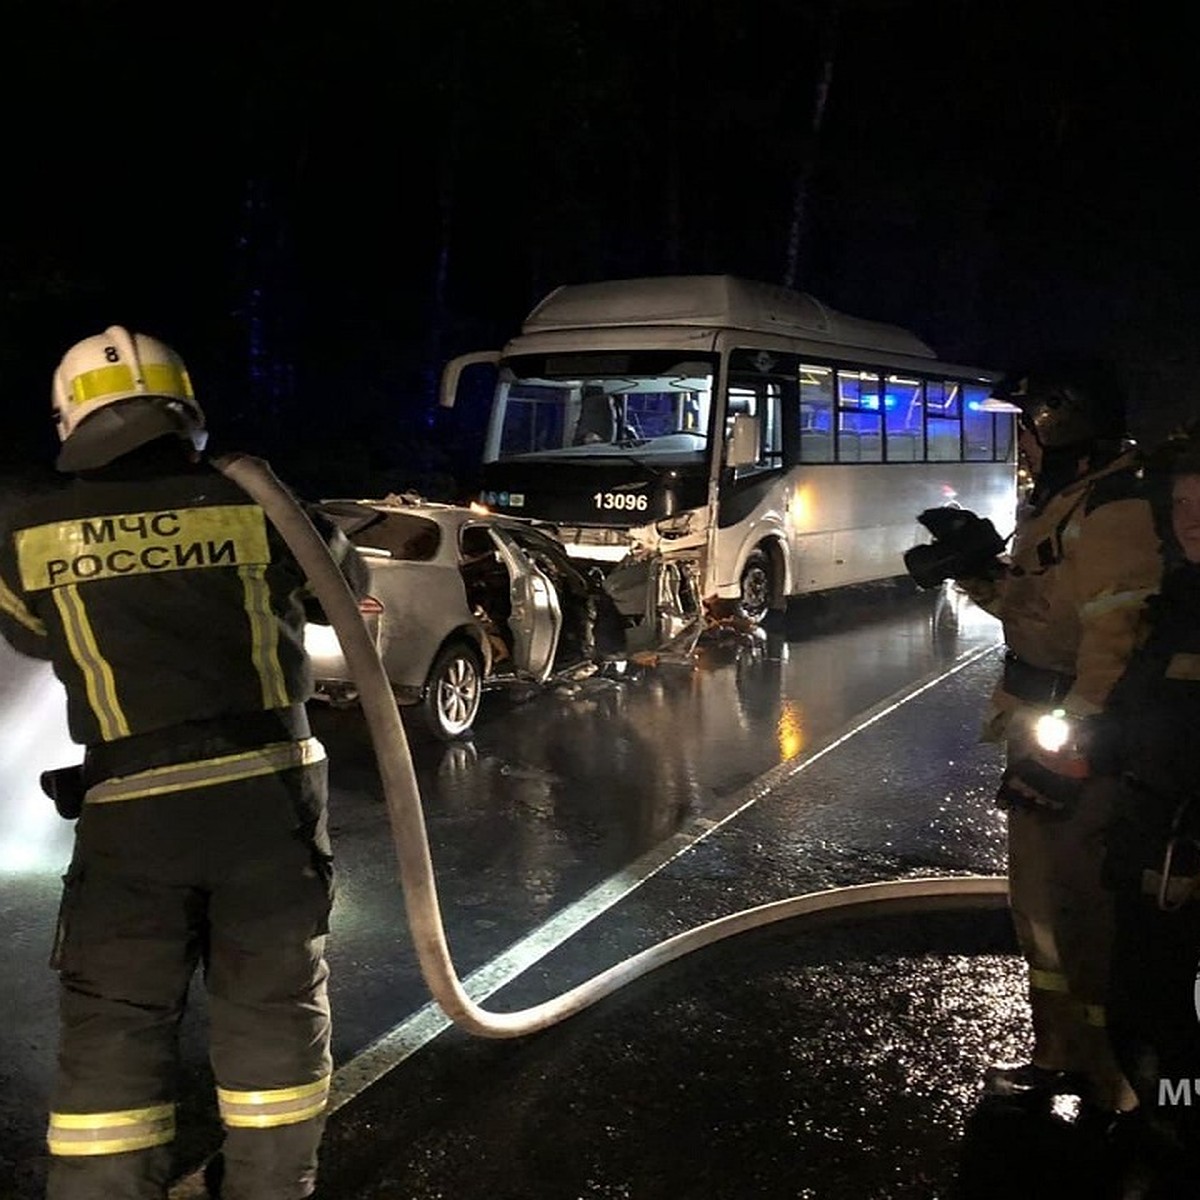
[{"x": 317, "y": 207}]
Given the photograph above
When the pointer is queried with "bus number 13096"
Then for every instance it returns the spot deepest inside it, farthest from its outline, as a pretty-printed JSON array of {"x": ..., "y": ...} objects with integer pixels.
[{"x": 622, "y": 500}]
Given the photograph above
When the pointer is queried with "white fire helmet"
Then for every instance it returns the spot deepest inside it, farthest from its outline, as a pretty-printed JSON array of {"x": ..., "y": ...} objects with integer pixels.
[{"x": 115, "y": 392}]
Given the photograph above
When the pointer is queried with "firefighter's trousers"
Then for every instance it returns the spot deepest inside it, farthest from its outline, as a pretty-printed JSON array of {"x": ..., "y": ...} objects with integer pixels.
[
  {"x": 1063, "y": 917},
  {"x": 235, "y": 877},
  {"x": 1154, "y": 1016}
]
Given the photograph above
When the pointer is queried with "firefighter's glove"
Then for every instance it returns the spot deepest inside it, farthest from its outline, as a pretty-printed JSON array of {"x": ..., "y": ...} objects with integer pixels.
[
  {"x": 1032, "y": 785},
  {"x": 65, "y": 787},
  {"x": 964, "y": 546}
]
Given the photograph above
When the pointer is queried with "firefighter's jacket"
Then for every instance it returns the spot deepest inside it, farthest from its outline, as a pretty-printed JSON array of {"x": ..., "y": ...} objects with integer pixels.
[
  {"x": 1148, "y": 734},
  {"x": 166, "y": 601},
  {"x": 1069, "y": 596}
]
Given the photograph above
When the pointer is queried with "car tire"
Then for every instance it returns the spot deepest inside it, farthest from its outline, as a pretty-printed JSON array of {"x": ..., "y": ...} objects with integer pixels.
[
  {"x": 452, "y": 691},
  {"x": 755, "y": 588}
]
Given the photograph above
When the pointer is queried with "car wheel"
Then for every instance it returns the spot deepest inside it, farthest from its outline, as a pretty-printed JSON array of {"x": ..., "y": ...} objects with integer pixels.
[
  {"x": 754, "y": 598},
  {"x": 452, "y": 691}
]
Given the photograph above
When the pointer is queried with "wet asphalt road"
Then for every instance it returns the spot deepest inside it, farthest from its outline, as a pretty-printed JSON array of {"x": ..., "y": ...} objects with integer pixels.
[
  {"x": 555, "y": 795},
  {"x": 836, "y": 1058},
  {"x": 830, "y": 1059}
]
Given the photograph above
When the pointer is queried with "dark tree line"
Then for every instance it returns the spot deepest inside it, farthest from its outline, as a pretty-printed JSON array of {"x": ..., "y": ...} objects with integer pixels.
[{"x": 320, "y": 207}]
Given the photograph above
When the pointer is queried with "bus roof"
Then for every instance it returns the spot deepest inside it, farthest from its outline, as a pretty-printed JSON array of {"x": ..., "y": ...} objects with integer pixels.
[{"x": 713, "y": 302}]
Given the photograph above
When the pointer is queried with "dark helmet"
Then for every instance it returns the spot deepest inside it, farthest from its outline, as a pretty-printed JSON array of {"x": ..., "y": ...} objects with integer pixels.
[
  {"x": 1178, "y": 454},
  {"x": 1067, "y": 407}
]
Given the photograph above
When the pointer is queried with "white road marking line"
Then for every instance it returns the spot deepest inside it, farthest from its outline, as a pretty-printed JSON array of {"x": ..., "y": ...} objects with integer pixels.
[
  {"x": 421, "y": 1027},
  {"x": 417, "y": 1030}
]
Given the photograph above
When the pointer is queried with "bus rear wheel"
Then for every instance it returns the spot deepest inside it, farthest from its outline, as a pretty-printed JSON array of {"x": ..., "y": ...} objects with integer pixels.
[{"x": 755, "y": 588}]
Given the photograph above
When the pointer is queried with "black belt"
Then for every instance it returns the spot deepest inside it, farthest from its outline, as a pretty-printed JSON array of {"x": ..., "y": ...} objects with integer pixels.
[
  {"x": 1039, "y": 685},
  {"x": 191, "y": 741}
]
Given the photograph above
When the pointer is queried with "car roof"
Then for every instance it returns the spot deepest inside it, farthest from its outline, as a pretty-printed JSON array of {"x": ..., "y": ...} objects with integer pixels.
[{"x": 433, "y": 510}]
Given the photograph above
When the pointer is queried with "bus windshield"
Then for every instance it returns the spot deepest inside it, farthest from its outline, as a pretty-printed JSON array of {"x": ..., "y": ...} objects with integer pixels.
[{"x": 633, "y": 403}]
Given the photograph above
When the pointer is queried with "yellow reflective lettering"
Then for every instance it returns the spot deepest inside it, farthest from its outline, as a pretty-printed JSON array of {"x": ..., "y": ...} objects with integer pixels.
[
  {"x": 96, "y": 533},
  {"x": 190, "y": 556},
  {"x": 128, "y": 555},
  {"x": 165, "y": 524},
  {"x": 134, "y": 523},
  {"x": 226, "y": 535}
]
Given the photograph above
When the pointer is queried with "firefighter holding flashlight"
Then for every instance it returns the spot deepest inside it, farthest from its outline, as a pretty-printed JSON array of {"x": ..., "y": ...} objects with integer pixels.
[{"x": 1083, "y": 560}]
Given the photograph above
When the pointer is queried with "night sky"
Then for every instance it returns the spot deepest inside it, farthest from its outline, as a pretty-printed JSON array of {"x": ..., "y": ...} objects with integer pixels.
[{"x": 317, "y": 208}]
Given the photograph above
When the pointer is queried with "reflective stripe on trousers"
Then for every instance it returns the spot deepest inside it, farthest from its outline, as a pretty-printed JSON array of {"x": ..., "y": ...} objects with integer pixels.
[
  {"x": 140, "y": 1128},
  {"x": 1056, "y": 981},
  {"x": 232, "y": 869},
  {"x": 270, "y": 1108},
  {"x": 1063, "y": 919},
  {"x": 111, "y": 1132}
]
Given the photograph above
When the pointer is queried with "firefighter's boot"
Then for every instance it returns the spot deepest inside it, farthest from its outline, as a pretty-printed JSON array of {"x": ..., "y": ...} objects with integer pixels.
[{"x": 1029, "y": 1080}]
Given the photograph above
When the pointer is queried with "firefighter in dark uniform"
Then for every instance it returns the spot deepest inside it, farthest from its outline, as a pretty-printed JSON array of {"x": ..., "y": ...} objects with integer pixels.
[
  {"x": 1084, "y": 557},
  {"x": 1146, "y": 740},
  {"x": 173, "y": 613}
]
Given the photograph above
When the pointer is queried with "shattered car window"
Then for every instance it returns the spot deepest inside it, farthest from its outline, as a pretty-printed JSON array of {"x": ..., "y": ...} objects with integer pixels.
[{"x": 399, "y": 535}]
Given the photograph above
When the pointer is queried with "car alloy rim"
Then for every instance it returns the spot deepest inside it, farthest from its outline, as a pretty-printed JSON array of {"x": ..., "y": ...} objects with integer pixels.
[{"x": 458, "y": 695}]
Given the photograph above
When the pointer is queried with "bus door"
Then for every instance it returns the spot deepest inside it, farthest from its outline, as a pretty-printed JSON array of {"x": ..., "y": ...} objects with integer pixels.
[{"x": 752, "y": 491}]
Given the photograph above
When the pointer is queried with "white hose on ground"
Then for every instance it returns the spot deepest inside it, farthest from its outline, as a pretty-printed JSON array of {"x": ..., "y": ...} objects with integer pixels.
[{"x": 411, "y": 844}]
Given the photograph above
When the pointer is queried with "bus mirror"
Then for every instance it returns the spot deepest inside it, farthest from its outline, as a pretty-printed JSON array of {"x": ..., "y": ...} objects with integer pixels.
[
  {"x": 743, "y": 441},
  {"x": 453, "y": 370}
]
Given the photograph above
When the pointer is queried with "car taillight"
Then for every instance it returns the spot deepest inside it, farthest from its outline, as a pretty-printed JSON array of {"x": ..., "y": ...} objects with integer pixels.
[{"x": 370, "y": 607}]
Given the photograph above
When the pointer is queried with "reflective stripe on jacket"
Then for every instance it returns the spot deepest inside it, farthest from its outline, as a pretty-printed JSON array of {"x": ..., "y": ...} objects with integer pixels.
[{"x": 187, "y": 776}]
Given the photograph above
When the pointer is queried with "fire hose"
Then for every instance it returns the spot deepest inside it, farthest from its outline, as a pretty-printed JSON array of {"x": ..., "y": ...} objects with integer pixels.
[{"x": 410, "y": 841}]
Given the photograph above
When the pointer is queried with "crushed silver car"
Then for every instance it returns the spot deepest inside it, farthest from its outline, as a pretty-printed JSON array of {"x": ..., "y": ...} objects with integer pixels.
[{"x": 461, "y": 601}]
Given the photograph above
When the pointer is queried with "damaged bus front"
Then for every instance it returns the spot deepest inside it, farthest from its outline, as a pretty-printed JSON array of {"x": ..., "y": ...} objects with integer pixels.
[{"x": 732, "y": 442}]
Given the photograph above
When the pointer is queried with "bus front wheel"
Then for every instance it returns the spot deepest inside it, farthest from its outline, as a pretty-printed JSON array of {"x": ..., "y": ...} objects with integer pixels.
[{"x": 755, "y": 587}]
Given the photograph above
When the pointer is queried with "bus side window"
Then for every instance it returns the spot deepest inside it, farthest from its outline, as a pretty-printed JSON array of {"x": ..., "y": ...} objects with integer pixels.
[
  {"x": 904, "y": 419},
  {"x": 816, "y": 414},
  {"x": 977, "y": 426},
  {"x": 758, "y": 398},
  {"x": 870, "y": 446},
  {"x": 943, "y": 415},
  {"x": 1005, "y": 426},
  {"x": 815, "y": 447},
  {"x": 860, "y": 403}
]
